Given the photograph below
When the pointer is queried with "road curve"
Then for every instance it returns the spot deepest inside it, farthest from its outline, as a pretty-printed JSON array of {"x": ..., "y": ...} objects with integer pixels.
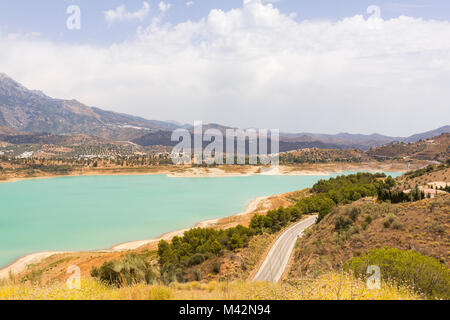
[{"x": 276, "y": 261}]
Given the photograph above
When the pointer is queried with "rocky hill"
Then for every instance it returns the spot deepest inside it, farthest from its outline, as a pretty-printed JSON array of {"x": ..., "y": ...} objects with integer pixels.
[
  {"x": 436, "y": 148},
  {"x": 33, "y": 111}
]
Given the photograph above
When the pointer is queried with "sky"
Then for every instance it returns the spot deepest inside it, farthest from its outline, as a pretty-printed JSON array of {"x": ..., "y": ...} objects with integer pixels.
[{"x": 323, "y": 66}]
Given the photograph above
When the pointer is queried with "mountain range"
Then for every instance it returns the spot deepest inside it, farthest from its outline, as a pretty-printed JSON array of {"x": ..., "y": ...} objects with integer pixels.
[{"x": 30, "y": 111}]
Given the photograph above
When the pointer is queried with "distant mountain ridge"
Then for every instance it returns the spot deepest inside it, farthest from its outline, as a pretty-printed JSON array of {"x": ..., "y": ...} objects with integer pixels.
[
  {"x": 27, "y": 110},
  {"x": 356, "y": 141},
  {"x": 33, "y": 111},
  {"x": 427, "y": 135}
]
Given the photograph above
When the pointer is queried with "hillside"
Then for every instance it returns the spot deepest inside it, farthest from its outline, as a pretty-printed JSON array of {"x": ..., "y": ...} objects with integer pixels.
[
  {"x": 316, "y": 155},
  {"x": 40, "y": 138},
  {"x": 422, "y": 226},
  {"x": 424, "y": 176},
  {"x": 33, "y": 111},
  {"x": 435, "y": 148},
  {"x": 353, "y": 229}
]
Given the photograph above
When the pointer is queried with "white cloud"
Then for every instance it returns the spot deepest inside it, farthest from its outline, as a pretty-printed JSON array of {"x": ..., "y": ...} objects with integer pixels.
[
  {"x": 189, "y": 3},
  {"x": 120, "y": 14},
  {"x": 163, "y": 7},
  {"x": 254, "y": 66}
]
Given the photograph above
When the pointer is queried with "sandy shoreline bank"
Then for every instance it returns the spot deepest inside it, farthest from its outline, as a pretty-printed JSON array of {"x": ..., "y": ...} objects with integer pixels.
[
  {"x": 228, "y": 171},
  {"x": 21, "y": 264}
]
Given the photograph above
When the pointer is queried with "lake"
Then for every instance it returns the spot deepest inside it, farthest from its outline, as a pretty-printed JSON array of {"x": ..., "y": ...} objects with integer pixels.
[{"x": 97, "y": 212}]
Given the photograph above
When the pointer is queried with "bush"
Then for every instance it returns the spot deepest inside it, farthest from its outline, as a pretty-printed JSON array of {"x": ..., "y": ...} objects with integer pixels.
[
  {"x": 407, "y": 268},
  {"x": 197, "y": 275},
  {"x": 196, "y": 259},
  {"x": 216, "y": 267},
  {"x": 133, "y": 269},
  {"x": 341, "y": 223},
  {"x": 388, "y": 221},
  {"x": 354, "y": 213},
  {"x": 397, "y": 225}
]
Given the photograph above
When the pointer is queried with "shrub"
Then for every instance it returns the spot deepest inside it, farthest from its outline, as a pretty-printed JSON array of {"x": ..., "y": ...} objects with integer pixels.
[
  {"x": 341, "y": 223},
  {"x": 407, "y": 268},
  {"x": 197, "y": 275},
  {"x": 216, "y": 267},
  {"x": 435, "y": 227},
  {"x": 133, "y": 269},
  {"x": 354, "y": 213},
  {"x": 397, "y": 225},
  {"x": 387, "y": 223},
  {"x": 196, "y": 259}
]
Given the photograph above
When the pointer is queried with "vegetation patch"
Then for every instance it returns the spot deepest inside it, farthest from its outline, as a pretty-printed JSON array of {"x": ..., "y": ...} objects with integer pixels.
[
  {"x": 407, "y": 268},
  {"x": 131, "y": 270}
]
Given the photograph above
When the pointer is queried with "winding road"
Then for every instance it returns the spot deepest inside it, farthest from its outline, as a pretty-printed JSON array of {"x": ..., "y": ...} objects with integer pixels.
[{"x": 276, "y": 261}]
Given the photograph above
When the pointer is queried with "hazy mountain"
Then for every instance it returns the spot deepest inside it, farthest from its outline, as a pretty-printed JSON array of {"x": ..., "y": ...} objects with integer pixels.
[
  {"x": 49, "y": 138},
  {"x": 7, "y": 130},
  {"x": 164, "y": 138},
  {"x": 346, "y": 140},
  {"x": 33, "y": 111},
  {"x": 361, "y": 141},
  {"x": 428, "y": 134}
]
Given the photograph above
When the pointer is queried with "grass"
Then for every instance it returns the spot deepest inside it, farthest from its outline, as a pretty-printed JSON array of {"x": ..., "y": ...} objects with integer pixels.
[{"x": 329, "y": 286}]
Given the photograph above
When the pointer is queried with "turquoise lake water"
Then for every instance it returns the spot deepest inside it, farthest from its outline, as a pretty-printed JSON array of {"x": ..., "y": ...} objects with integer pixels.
[{"x": 85, "y": 213}]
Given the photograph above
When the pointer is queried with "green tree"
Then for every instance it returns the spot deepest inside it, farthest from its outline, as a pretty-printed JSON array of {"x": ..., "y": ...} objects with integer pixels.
[{"x": 390, "y": 183}]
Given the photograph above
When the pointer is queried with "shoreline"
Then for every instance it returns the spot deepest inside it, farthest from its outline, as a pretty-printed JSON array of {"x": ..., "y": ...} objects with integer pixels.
[
  {"x": 219, "y": 172},
  {"x": 21, "y": 263}
]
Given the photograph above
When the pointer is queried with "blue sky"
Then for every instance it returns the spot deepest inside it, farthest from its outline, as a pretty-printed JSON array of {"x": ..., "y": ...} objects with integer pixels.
[
  {"x": 316, "y": 66},
  {"x": 48, "y": 17}
]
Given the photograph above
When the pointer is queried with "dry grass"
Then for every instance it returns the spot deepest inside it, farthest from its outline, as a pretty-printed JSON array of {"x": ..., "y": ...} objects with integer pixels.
[{"x": 330, "y": 286}]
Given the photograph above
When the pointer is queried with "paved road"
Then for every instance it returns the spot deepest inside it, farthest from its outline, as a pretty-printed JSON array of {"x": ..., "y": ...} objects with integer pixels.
[{"x": 273, "y": 267}]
